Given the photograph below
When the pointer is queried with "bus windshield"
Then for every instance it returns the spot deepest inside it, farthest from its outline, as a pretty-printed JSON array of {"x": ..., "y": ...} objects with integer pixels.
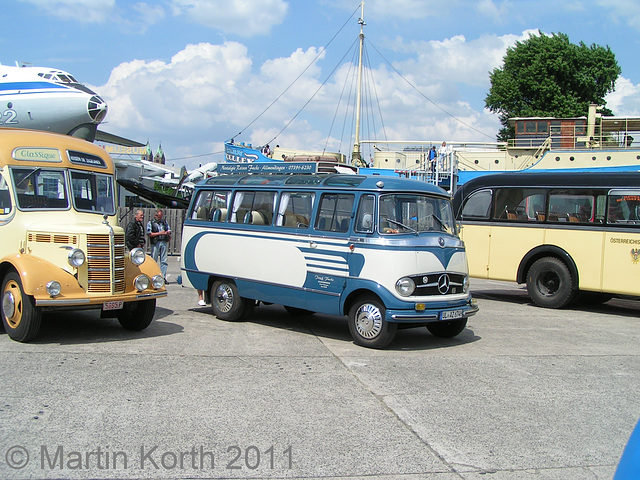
[
  {"x": 40, "y": 188},
  {"x": 413, "y": 213},
  {"x": 46, "y": 189},
  {"x": 92, "y": 192}
]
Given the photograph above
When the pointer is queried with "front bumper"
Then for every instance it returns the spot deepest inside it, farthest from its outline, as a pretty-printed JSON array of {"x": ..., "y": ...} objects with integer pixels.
[
  {"x": 97, "y": 301},
  {"x": 432, "y": 315}
]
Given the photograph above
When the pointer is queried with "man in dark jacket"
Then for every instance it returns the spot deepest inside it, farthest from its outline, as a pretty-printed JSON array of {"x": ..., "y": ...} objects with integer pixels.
[{"x": 134, "y": 235}]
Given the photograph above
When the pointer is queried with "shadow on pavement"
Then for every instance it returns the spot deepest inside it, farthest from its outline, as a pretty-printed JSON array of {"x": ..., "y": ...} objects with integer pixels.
[
  {"x": 86, "y": 326},
  {"x": 336, "y": 328}
]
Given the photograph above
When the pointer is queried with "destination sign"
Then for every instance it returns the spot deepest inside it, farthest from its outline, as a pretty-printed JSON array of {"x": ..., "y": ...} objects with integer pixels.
[
  {"x": 268, "y": 167},
  {"x": 80, "y": 158},
  {"x": 38, "y": 154}
]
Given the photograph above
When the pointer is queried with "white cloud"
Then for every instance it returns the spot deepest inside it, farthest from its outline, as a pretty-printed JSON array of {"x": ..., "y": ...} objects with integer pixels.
[
  {"x": 207, "y": 93},
  {"x": 241, "y": 17},
  {"x": 625, "y": 101}
]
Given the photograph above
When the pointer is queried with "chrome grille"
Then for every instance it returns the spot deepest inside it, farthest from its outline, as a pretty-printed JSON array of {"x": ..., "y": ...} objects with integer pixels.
[
  {"x": 57, "y": 238},
  {"x": 103, "y": 257}
]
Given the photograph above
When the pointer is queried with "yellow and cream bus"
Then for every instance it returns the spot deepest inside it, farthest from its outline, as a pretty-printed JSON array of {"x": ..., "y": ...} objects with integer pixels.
[
  {"x": 561, "y": 233},
  {"x": 61, "y": 244}
]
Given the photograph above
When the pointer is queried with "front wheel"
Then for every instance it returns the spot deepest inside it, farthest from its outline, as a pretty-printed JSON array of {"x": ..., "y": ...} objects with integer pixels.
[
  {"x": 447, "y": 328},
  {"x": 367, "y": 324},
  {"x": 549, "y": 283},
  {"x": 226, "y": 301},
  {"x": 20, "y": 316},
  {"x": 137, "y": 316}
]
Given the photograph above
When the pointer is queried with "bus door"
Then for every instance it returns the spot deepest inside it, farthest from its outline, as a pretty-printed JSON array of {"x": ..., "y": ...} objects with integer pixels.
[
  {"x": 475, "y": 215},
  {"x": 327, "y": 255},
  {"x": 621, "y": 250}
]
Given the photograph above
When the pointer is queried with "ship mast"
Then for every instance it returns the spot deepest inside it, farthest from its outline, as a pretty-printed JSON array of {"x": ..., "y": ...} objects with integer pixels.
[{"x": 356, "y": 158}]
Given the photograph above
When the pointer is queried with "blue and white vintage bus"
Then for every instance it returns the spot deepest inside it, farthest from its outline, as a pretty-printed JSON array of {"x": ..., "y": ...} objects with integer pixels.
[{"x": 383, "y": 251}]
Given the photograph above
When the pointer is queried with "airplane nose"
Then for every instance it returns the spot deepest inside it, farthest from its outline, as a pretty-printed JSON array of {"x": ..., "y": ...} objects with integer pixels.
[{"x": 97, "y": 109}]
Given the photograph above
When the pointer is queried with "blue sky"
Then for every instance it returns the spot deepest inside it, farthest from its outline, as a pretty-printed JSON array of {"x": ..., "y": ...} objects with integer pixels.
[{"x": 193, "y": 73}]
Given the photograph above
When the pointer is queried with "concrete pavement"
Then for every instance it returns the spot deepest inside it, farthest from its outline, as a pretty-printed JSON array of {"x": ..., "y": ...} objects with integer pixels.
[{"x": 523, "y": 392}]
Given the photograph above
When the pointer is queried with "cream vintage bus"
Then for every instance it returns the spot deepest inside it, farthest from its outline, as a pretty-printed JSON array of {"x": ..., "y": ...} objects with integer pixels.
[
  {"x": 61, "y": 244},
  {"x": 567, "y": 235}
]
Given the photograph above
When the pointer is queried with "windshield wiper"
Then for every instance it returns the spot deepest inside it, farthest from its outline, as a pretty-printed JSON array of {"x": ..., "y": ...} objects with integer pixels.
[
  {"x": 400, "y": 224},
  {"x": 444, "y": 227}
]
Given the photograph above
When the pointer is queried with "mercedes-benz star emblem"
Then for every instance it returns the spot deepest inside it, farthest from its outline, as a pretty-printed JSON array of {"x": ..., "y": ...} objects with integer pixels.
[
  {"x": 441, "y": 241},
  {"x": 443, "y": 283}
]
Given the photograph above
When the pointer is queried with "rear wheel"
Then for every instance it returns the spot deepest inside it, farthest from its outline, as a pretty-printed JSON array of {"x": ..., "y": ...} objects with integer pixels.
[
  {"x": 549, "y": 283},
  {"x": 137, "y": 316},
  {"x": 226, "y": 301},
  {"x": 367, "y": 324},
  {"x": 447, "y": 328},
  {"x": 20, "y": 316}
]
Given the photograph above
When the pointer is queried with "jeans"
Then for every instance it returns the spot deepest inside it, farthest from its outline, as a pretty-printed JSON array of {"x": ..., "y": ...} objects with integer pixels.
[{"x": 159, "y": 252}]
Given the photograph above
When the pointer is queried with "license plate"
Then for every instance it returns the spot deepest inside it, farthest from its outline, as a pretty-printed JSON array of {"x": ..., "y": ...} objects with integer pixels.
[
  {"x": 113, "y": 305},
  {"x": 450, "y": 314}
]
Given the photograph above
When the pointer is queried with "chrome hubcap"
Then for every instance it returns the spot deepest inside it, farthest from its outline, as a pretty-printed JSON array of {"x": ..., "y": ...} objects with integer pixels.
[
  {"x": 368, "y": 321},
  {"x": 224, "y": 298},
  {"x": 8, "y": 305}
]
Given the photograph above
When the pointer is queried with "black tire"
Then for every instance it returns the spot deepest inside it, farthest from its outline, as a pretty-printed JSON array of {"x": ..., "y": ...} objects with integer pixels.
[
  {"x": 367, "y": 324},
  {"x": 447, "y": 328},
  {"x": 137, "y": 316},
  {"x": 226, "y": 301},
  {"x": 20, "y": 316},
  {"x": 298, "y": 312},
  {"x": 549, "y": 283}
]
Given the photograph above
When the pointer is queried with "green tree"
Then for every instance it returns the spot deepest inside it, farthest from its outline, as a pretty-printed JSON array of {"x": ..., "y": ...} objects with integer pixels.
[{"x": 548, "y": 76}]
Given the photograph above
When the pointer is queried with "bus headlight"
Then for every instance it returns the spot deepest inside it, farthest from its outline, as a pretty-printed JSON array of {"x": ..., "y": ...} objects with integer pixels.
[
  {"x": 141, "y": 282},
  {"x": 157, "y": 281},
  {"x": 53, "y": 287},
  {"x": 137, "y": 256},
  {"x": 465, "y": 284},
  {"x": 76, "y": 257},
  {"x": 405, "y": 286}
]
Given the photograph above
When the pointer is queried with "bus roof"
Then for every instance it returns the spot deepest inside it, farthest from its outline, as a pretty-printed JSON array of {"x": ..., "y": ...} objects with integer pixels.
[
  {"x": 553, "y": 179},
  {"x": 325, "y": 181},
  {"x": 35, "y": 148}
]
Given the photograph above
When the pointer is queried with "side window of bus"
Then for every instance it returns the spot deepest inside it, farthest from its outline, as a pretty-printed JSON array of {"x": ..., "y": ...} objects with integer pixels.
[
  {"x": 624, "y": 207},
  {"x": 574, "y": 206},
  {"x": 364, "y": 217},
  {"x": 334, "y": 214},
  {"x": 253, "y": 208},
  {"x": 294, "y": 210},
  {"x": 524, "y": 204},
  {"x": 211, "y": 205},
  {"x": 5, "y": 199},
  {"x": 477, "y": 205}
]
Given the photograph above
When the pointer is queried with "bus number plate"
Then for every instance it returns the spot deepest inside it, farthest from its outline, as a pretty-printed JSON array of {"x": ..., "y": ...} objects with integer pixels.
[
  {"x": 450, "y": 314},
  {"x": 113, "y": 305}
]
